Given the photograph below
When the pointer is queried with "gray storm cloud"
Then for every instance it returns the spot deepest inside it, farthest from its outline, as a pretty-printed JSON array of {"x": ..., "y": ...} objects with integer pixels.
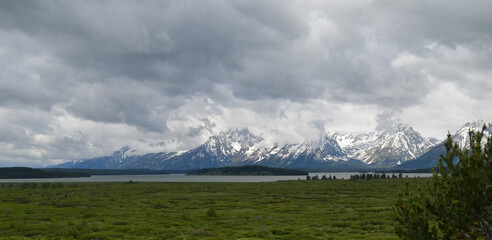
[{"x": 99, "y": 75}]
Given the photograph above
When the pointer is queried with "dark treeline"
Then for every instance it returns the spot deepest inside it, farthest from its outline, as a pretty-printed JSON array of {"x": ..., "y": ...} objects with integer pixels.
[
  {"x": 24, "y": 172},
  {"x": 35, "y": 185},
  {"x": 112, "y": 171},
  {"x": 423, "y": 170},
  {"x": 369, "y": 176},
  {"x": 324, "y": 177},
  {"x": 366, "y": 176}
]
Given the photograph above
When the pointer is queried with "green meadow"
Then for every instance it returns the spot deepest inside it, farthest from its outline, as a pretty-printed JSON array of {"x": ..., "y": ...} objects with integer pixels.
[{"x": 323, "y": 209}]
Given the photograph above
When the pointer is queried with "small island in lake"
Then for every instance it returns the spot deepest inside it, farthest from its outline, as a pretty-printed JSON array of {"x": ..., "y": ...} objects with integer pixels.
[
  {"x": 252, "y": 170},
  {"x": 25, "y": 172}
]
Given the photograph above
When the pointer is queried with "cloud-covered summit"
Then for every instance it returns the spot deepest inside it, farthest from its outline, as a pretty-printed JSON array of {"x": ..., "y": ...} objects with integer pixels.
[{"x": 82, "y": 78}]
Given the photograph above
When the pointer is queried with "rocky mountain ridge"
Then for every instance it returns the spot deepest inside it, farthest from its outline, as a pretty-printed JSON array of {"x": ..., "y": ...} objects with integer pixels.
[{"x": 385, "y": 148}]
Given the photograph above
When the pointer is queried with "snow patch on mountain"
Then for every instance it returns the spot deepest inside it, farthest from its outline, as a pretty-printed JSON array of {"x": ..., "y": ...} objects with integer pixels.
[{"x": 462, "y": 135}]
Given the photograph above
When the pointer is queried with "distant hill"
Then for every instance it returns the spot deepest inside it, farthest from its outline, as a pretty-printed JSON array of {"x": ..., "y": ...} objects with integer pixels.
[
  {"x": 24, "y": 172},
  {"x": 427, "y": 160},
  {"x": 253, "y": 170}
]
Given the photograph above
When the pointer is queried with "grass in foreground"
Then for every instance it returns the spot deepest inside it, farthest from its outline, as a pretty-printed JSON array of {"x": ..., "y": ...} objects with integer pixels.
[{"x": 337, "y": 209}]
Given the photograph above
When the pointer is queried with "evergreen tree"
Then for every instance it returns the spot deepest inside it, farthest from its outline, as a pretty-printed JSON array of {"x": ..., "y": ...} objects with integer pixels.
[
  {"x": 412, "y": 217},
  {"x": 459, "y": 197}
]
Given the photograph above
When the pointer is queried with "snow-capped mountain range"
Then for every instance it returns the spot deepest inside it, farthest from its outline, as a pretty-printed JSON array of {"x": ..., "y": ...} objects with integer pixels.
[{"x": 385, "y": 148}]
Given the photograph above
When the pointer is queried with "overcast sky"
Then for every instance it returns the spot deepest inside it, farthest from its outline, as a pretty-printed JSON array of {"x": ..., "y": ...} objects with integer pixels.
[{"x": 80, "y": 79}]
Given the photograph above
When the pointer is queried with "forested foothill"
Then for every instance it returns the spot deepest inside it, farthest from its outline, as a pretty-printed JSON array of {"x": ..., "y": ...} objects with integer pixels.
[{"x": 24, "y": 172}]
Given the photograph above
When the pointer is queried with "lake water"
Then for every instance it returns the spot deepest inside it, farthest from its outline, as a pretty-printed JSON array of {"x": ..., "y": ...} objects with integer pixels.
[{"x": 189, "y": 178}]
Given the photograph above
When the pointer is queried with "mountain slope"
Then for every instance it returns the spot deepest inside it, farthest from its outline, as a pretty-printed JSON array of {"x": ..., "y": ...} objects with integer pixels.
[
  {"x": 431, "y": 158},
  {"x": 427, "y": 160},
  {"x": 322, "y": 153},
  {"x": 125, "y": 158},
  {"x": 396, "y": 145},
  {"x": 118, "y": 160}
]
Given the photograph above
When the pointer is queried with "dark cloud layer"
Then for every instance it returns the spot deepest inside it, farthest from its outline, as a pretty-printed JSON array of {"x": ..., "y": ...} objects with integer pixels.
[{"x": 136, "y": 66}]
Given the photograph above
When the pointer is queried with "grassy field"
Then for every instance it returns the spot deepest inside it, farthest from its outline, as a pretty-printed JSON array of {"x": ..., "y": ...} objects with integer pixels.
[{"x": 331, "y": 209}]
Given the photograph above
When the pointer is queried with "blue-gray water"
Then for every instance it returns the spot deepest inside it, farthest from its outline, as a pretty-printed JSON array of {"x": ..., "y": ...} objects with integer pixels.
[{"x": 186, "y": 178}]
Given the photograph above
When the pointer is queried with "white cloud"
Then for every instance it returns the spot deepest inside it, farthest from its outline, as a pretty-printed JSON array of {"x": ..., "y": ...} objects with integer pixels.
[{"x": 445, "y": 109}]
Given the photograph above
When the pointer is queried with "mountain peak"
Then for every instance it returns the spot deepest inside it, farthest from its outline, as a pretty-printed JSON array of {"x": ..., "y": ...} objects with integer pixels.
[
  {"x": 327, "y": 140},
  {"x": 399, "y": 127},
  {"x": 242, "y": 135},
  {"x": 125, "y": 149},
  {"x": 226, "y": 145},
  {"x": 461, "y": 136},
  {"x": 124, "y": 152},
  {"x": 475, "y": 125},
  {"x": 389, "y": 146},
  {"x": 237, "y": 131},
  {"x": 403, "y": 126}
]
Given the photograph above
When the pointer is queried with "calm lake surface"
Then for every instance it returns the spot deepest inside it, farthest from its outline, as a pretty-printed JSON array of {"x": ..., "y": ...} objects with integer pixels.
[{"x": 185, "y": 178}]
